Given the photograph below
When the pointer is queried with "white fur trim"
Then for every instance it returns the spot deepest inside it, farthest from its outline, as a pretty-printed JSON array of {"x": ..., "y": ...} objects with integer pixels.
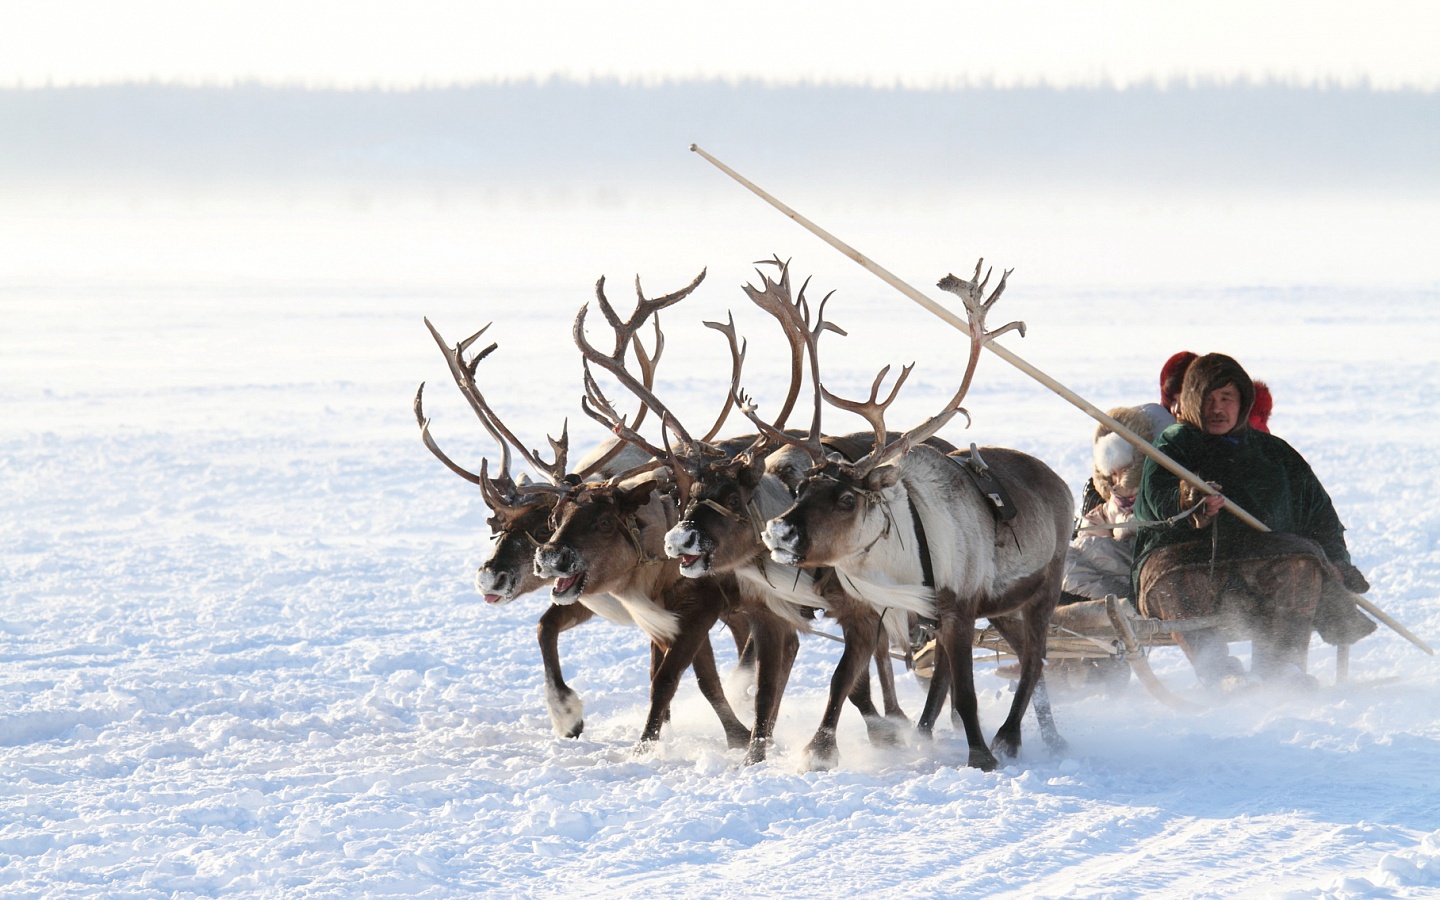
[
  {"x": 882, "y": 596},
  {"x": 567, "y": 713},
  {"x": 1112, "y": 453}
]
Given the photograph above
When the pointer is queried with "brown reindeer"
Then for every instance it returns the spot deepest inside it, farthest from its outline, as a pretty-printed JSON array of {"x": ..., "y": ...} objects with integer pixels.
[
  {"x": 608, "y": 538},
  {"x": 773, "y": 626},
  {"x": 521, "y": 511},
  {"x": 906, "y": 514}
]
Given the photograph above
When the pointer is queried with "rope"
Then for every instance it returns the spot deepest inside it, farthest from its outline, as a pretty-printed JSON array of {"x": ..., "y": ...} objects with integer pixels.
[{"x": 1136, "y": 524}]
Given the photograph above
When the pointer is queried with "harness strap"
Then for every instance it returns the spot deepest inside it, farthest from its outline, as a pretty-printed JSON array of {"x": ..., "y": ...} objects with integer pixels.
[
  {"x": 927, "y": 567},
  {"x": 985, "y": 481},
  {"x": 631, "y": 527}
]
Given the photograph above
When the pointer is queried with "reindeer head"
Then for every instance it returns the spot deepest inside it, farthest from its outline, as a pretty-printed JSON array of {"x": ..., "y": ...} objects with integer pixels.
[
  {"x": 719, "y": 528},
  {"x": 599, "y": 538},
  {"x": 519, "y": 522},
  {"x": 842, "y": 508},
  {"x": 725, "y": 488}
]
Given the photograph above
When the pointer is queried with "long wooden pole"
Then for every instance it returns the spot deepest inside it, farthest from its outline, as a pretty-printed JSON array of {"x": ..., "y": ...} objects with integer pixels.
[{"x": 1073, "y": 398}]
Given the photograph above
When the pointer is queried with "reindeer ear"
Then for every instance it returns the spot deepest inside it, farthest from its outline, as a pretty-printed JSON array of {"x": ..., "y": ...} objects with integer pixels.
[
  {"x": 632, "y": 497},
  {"x": 751, "y": 472},
  {"x": 882, "y": 478}
]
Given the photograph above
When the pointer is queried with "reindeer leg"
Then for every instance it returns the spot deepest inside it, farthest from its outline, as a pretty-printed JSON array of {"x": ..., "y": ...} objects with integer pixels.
[
  {"x": 885, "y": 674},
  {"x": 657, "y": 656},
  {"x": 1027, "y": 639},
  {"x": 958, "y": 635},
  {"x": 882, "y": 730},
  {"x": 742, "y": 679},
  {"x": 935, "y": 697},
  {"x": 822, "y": 753},
  {"x": 567, "y": 710},
  {"x": 736, "y": 734},
  {"x": 694, "y": 630},
  {"x": 776, "y": 646}
]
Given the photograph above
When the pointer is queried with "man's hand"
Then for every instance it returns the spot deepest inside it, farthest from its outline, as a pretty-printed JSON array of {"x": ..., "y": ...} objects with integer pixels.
[
  {"x": 1352, "y": 578},
  {"x": 1213, "y": 503}
]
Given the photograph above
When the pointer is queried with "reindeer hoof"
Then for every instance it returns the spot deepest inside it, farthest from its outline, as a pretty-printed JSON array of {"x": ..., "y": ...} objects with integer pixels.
[
  {"x": 643, "y": 747},
  {"x": 982, "y": 759},
  {"x": 820, "y": 762},
  {"x": 567, "y": 712},
  {"x": 757, "y": 752},
  {"x": 737, "y": 740},
  {"x": 884, "y": 732},
  {"x": 1055, "y": 743},
  {"x": 821, "y": 754},
  {"x": 1006, "y": 746}
]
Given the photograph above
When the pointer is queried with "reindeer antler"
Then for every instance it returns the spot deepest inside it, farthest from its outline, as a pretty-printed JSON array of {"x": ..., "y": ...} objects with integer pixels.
[
  {"x": 464, "y": 374},
  {"x": 794, "y": 317},
  {"x": 971, "y": 294},
  {"x": 597, "y": 405},
  {"x": 737, "y": 361}
]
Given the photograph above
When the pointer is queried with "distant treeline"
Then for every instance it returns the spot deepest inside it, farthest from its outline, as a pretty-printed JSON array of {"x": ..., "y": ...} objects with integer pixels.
[{"x": 1250, "y": 137}]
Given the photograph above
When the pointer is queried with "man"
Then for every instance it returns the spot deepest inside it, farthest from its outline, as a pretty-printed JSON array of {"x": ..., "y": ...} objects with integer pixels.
[{"x": 1270, "y": 587}]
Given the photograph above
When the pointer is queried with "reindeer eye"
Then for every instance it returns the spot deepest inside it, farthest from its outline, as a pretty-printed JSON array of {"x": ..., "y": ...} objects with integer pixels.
[
  {"x": 606, "y": 525},
  {"x": 845, "y": 501},
  {"x": 732, "y": 501}
]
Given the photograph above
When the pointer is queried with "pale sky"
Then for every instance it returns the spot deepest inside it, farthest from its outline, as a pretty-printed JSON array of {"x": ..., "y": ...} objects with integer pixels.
[{"x": 364, "y": 43}]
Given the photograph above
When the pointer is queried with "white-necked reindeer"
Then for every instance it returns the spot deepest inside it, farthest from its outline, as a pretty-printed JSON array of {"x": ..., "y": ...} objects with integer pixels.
[
  {"x": 878, "y": 520},
  {"x": 727, "y": 497}
]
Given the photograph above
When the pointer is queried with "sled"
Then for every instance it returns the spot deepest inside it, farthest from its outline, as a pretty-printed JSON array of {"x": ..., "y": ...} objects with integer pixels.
[{"x": 1101, "y": 641}]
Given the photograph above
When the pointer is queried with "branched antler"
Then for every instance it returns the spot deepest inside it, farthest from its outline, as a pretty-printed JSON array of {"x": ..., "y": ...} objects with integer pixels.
[
  {"x": 972, "y": 294},
  {"x": 794, "y": 317},
  {"x": 644, "y": 309},
  {"x": 464, "y": 374},
  {"x": 599, "y": 408},
  {"x": 872, "y": 410},
  {"x": 595, "y": 403},
  {"x": 737, "y": 362}
]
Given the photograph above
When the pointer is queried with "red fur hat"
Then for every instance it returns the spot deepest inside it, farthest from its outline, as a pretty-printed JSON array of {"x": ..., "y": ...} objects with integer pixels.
[
  {"x": 1172, "y": 376},
  {"x": 1260, "y": 412}
]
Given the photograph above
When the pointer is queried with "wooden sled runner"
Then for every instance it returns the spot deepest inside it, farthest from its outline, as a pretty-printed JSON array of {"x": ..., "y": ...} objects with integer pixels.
[{"x": 1111, "y": 632}]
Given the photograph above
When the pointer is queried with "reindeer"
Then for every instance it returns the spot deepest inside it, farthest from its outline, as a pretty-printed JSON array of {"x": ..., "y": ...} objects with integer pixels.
[
  {"x": 728, "y": 496},
  {"x": 520, "y": 511},
  {"x": 607, "y": 538},
  {"x": 906, "y": 514}
]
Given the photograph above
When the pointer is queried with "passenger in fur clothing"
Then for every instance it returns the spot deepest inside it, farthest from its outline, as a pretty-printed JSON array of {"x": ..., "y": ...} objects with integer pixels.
[
  {"x": 1271, "y": 587},
  {"x": 1099, "y": 559}
]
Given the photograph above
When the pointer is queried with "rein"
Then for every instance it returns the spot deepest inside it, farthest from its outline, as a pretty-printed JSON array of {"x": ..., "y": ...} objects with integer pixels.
[
  {"x": 631, "y": 528},
  {"x": 1136, "y": 524}
]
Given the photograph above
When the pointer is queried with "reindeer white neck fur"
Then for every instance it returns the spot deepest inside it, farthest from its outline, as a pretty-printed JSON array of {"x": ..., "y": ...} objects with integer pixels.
[
  {"x": 794, "y": 585},
  {"x": 968, "y": 551}
]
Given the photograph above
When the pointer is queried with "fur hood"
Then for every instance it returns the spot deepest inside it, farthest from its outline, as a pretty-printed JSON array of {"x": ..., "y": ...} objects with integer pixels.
[
  {"x": 1113, "y": 454},
  {"x": 1207, "y": 373}
]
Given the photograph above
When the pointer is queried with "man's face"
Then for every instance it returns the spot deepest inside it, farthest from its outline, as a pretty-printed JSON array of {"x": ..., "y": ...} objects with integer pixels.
[{"x": 1221, "y": 409}]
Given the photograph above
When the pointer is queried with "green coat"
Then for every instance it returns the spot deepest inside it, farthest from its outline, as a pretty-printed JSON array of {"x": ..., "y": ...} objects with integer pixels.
[{"x": 1260, "y": 472}]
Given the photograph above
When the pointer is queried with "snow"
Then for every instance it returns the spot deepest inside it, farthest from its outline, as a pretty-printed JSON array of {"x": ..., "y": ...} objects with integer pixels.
[{"x": 241, "y": 653}]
